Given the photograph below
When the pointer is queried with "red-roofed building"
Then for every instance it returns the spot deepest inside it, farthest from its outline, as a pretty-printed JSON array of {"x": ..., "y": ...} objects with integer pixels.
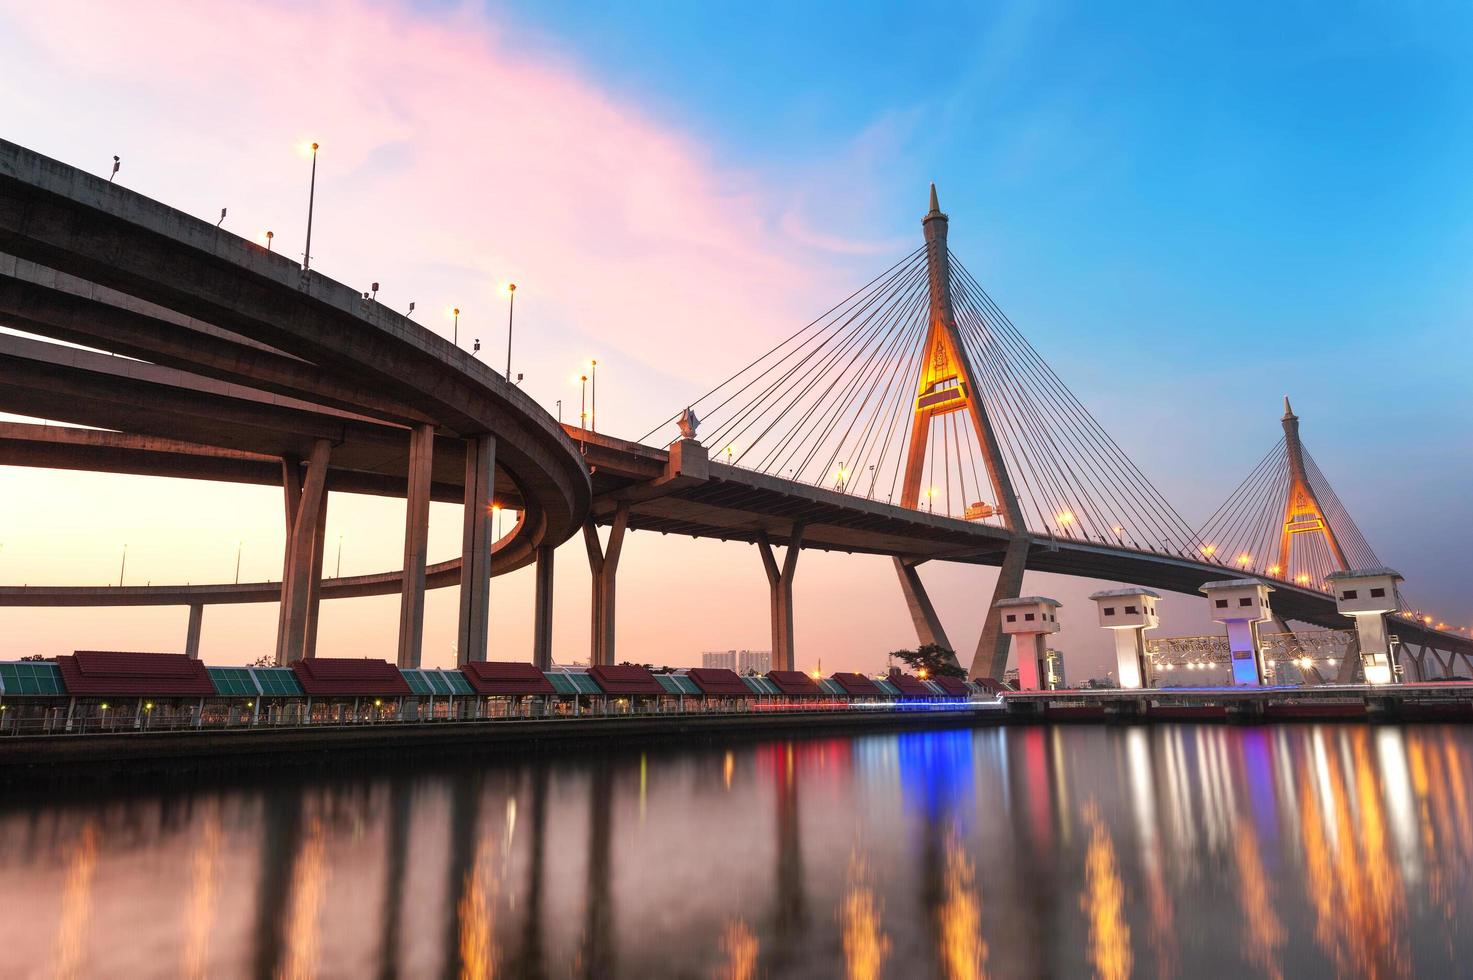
[
  {"x": 911, "y": 686},
  {"x": 794, "y": 683},
  {"x": 115, "y": 673},
  {"x": 953, "y": 686},
  {"x": 718, "y": 682},
  {"x": 992, "y": 685},
  {"x": 857, "y": 685},
  {"x": 506, "y": 679},
  {"x": 625, "y": 679},
  {"x": 347, "y": 678}
]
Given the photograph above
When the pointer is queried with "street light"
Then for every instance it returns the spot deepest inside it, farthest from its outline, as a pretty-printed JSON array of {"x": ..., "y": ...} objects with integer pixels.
[
  {"x": 582, "y": 408},
  {"x": 311, "y": 200},
  {"x": 455, "y": 336},
  {"x": 511, "y": 292},
  {"x": 593, "y": 365}
]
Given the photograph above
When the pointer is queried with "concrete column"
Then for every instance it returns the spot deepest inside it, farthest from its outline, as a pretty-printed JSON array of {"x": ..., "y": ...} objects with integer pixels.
[
  {"x": 196, "y": 626},
  {"x": 1128, "y": 613},
  {"x": 1240, "y": 605},
  {"x": 780, "y": 583},
  {"x": 416, "y": 545},
  {"x": 475, "y": 568},
  {"x": 291, "y": 485},
  {"x": 603, "y": 563},
  {"x": 542, "y": 610},
  {"x": 991, "y": 658},
  {"x": 1367, "y": 596},
  {"x": 918, "y": 602},
  {"x": 1028, "y": 622},
  {"x": 314, "y": 584},
  {"x": 292, "y": 641}
]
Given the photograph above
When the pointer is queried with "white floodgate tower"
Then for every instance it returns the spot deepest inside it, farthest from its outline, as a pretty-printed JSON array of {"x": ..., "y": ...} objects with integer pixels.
[
  {"x": 1029, "y": 621},
  {"x": 1128, "y": 613},
  {"x": 1241, "y": 604},
  {"x": 1367, "y": 597}
]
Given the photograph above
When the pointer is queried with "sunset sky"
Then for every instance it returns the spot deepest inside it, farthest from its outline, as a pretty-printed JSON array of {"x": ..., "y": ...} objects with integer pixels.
[{"x": 1188, "y": 218}]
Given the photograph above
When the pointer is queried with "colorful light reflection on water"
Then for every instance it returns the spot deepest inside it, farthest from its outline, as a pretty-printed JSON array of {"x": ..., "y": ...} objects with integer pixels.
[{"x": 1290, "y": 851}]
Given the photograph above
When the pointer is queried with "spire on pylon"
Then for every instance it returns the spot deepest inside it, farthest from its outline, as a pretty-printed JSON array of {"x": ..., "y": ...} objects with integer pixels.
[
  {"x": 1288, "y": 412},
  {"x": 935, "y": 205}
]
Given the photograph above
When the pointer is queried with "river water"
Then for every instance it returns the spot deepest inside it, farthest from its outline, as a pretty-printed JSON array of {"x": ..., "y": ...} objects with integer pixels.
[{"x": 1193, "y": 851}]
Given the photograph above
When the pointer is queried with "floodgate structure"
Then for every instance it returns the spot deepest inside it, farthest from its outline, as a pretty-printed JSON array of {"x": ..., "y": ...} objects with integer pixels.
[{"x": 912, "y": 421}]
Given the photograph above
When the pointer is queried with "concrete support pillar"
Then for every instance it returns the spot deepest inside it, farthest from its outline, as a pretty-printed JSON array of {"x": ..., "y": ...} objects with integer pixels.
[
  {"x": 1128, "y": 613},
  {"x": 1240, "y": 605},
  {"x": 291, "y": 485},
  {"x": 542, "y": 610},
  {"x": 1367, "y": 596},
  {"x": 475, "y": 555},
  {"x": 603, "y": 563},
  {"x": 416, "y": 545},
  {"x": 780, "y": 583},
  {"x": 991, "y": 658},
  {"x": 922, "y": 613},
  {"x": 302, "y": 546},
  {"x": 314, "y": 584},
  {"x": 1028, "y": 622},
  {"x": 196, "y": 627}
]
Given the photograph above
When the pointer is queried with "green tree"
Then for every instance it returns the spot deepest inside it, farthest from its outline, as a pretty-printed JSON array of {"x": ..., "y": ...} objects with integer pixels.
[{"x": 930, "y": 660}]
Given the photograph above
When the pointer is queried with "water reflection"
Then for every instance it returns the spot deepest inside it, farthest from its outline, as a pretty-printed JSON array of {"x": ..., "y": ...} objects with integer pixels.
[
  {"x": 866, "y": 947},
  {"x": 1076, "y": 851}
]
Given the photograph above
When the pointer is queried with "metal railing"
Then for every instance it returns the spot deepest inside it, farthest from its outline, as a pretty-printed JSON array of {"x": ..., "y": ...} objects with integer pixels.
[{"x": 61, "y": 717}]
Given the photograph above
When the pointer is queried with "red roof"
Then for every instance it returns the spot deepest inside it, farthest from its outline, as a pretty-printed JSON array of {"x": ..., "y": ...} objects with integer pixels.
[
  {"x": 625, "y": 679},
  {"x": 911, "y": 686},
  {"x": 501, "y": 677},
  {"x": 794, "y": 683},
  {"x": 96, "y": 672},
  {"x": 857, "y": 685},
  {"x": 991, "y": 685},
  {"x": 719, "y": 681},
  {"x": 954, "y": 686},
  {"x": 343, "y": 677}
]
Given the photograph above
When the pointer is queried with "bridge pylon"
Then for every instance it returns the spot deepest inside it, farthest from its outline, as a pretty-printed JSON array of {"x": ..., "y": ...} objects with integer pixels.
[
  {"x": 1302, "y": 511},
  {"x": 945, "y": 385}
]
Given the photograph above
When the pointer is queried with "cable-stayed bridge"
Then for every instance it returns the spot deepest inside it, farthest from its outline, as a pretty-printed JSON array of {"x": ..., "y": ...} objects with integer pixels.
[{"x": 913, "y": 421}]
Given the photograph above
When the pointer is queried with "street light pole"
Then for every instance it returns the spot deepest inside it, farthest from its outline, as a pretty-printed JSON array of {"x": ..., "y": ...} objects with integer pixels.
[
  {"x": 124, "y": 566},
  {"x": 311, "y": 200},
  {"x": 238, "y": 547},
  {"x": 511, "y": 291},
  {"x": 455, "y": 337},
  {"x": 595, "y": 395},
  {"x": 582, "y": 409}
]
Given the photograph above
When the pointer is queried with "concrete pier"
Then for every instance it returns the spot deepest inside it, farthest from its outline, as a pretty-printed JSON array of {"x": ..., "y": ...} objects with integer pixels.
[
  {"x": 780, "y": 584},
  {"x": 475, "y": 568}
]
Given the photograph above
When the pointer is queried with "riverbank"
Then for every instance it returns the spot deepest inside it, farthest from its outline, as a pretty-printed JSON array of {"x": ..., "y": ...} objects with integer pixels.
[{"x": 46, "y": 757}]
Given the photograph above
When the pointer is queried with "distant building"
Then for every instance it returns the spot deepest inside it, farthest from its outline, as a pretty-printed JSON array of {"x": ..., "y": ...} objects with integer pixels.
[
  {"x": 1055, "y": 665},
  {"x": 741, "y": 661}
]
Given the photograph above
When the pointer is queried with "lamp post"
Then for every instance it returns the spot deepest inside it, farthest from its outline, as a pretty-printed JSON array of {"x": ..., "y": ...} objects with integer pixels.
[
  {"x": 594, "y": 370},
  {"x": 455, "y": 334},
  {"x": 511, "y": 292},
  {"x": 124, "y": 566},
  {"x": 238, "y": 548},
  {"x": 311, "y": 199},
  {"x": 582, "y": 409}
]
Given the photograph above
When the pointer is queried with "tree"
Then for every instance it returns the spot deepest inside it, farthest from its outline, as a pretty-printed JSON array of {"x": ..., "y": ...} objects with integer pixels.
[{"x": 930, "y": 660}]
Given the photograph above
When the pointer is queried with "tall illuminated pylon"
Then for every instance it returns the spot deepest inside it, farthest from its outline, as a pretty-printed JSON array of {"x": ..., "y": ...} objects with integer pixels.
[
  {"x": 1302, "y": 511},
  {"x": 946, "y": 385}
]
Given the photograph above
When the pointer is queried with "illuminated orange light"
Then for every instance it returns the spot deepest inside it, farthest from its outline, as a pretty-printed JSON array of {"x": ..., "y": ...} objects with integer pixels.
[
  {"x": 1209, "y": 550},
  {"x": 1065, "y": 518},
  {"x": 1302, "y": 579},
  {"x": 1245, "y": 559},
  {"x": 1275, "y": 569}
]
